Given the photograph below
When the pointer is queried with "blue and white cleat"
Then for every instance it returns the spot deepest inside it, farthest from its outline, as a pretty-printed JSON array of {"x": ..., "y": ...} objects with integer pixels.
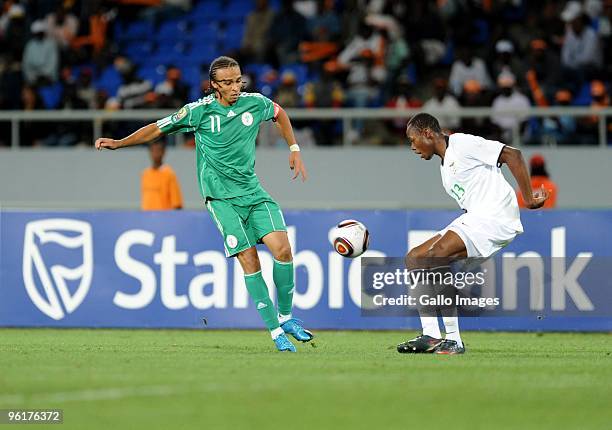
[
  {"x": 295, "y": 329},
  {"x": 284, "y": 344}
]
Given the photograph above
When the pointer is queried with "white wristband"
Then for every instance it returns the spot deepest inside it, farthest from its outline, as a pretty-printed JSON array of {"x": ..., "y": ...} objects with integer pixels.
[{"x": 294, "y": 148}]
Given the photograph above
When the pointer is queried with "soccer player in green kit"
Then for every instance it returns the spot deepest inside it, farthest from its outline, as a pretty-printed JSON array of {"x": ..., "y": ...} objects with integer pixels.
[{"x": 226, "y": 124}]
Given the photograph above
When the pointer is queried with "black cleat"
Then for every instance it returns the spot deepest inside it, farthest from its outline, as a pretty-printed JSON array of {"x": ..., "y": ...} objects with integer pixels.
[
  {"x": 422, "y": 344},
  {"x": 449, "y": 347}
]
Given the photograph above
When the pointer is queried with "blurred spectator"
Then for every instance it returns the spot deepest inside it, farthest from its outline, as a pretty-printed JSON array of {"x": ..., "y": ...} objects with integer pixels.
[
  {"x": 172, "y": 92},
  {"x": 403, "y": 99},
  {"x": 287, "y": 95},
  {"x": 324, "y": 92},
  {"x": 254, "y": 42},
  {"x": 132, "y": 93},
  {"x": 11, "y": 79},
  {"x": 31, "y": 133},
  {"x": 324, "y": 26},
  {"x": 506, "y": 61},
  {"x": 70, "y": 96},
  {"x": 40, "y": 57},
  {"x": 539, "y": 179},
  {"x": 544, "y": 72},
  {"x": 165, "y": 9},
  {"x": 287, "y": 30},
  {"x": 160, "y": 188},
  {"x": 423, "y": 30},
  {"x": 366, "y": 49},
  {"x": 581, "y": 52},
  {"x": 474, "y": 96},
  {"x": 588, "y": 127},
  {"x": 13, "y": 31},
  {"x": 559, "y": 130},
  {"x": 468, "y": 67},
  {"x": 62, "y": 26},
  {"x": 443, "y": 101},
  {"x": 509, "y": 99},
  {"x": 96, "y": 36},
  {"x": 85, "y": 89}
]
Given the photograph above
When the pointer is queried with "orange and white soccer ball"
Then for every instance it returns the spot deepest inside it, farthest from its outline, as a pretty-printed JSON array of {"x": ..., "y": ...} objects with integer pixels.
[{"x": 350, "y": 238}]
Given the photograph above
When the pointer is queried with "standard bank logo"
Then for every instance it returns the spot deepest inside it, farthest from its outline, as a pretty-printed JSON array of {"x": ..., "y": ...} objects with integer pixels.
[{"x": 47, "y": 285}]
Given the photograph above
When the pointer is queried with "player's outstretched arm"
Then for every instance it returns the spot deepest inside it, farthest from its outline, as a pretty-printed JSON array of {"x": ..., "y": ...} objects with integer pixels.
[
  {"x": 143, "y": 135},
  {"x": 286, "y": 130},
  {"x": 514, "y": 159}
]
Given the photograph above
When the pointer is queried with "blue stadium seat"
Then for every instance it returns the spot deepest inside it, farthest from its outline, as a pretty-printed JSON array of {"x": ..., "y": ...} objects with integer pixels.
[
  {"x": 191, "y": 75},
  {"x": 134, "y": 30},
  {"x": 481, "y": 36},
  {"x": 155, "y": 74},
  {"x": 175, "y": 29},
  {"x": 51, "y": 95},
  {"x": 208, "y": 10},
  {"x": 583, "y": 97},
  {"x": 231, "y": 37},
  {"x": 109, "y": 81},
  {"x": 195, "y": 93},
  {"x": 138, "y": 50}
]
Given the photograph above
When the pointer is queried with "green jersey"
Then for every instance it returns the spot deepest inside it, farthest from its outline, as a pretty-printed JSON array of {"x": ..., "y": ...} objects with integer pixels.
[{"x": 225, "y": 141}]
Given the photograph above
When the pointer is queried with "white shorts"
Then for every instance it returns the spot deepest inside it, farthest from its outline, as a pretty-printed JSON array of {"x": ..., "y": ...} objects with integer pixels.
[{"x": 482, "y": 236}]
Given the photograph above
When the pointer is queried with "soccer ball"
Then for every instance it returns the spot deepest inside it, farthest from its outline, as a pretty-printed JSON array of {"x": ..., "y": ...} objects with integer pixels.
[{"x": 350, "y": 238}]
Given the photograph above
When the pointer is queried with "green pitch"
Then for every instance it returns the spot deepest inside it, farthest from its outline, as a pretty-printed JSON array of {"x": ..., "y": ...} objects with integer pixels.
[{"x": 148, "y": 379}]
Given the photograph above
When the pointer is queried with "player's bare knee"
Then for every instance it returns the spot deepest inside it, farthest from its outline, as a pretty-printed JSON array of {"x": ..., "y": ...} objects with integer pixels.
[
  {"x": 283, "y": 253},
  {"x": 249, "y": 260}
]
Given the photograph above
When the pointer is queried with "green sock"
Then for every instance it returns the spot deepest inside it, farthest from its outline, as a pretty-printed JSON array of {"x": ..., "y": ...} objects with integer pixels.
[
  {"x": 285, "y": 285},
  {"x": 256, "y": 286}
]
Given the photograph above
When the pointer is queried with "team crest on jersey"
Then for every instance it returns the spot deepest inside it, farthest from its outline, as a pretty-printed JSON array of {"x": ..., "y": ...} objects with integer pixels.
[
  {"x": 179, "y": 115},
  {"x": 247, "y": 118},
  {"x": 231, "y": 241}
]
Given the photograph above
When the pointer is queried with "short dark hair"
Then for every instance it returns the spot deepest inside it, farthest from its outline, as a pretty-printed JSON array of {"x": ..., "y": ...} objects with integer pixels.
[
  {"x": 222, "y": 62},
  {"x": 161, "y": 141},
  {"x": 424, "y": 121}
]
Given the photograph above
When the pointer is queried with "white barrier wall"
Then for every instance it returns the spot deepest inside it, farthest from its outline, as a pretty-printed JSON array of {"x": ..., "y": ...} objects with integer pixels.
[{"x": 382, "y": 178}]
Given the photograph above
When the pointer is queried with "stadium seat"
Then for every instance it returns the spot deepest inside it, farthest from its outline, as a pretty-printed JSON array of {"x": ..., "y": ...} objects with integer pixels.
[
  {"x": 583, "y": 96},
  {"x": 137, "y": 51},
  {"x": 208, "y": 10},
  {"x": 109, "y": 81},
  {"x": 134, "y": 30},
  {"x": 175, "y": 29},
  {"x": 51, "y": 95},
  {"x": 155, "y": 74},
  {"x": 191, "y": 75}
]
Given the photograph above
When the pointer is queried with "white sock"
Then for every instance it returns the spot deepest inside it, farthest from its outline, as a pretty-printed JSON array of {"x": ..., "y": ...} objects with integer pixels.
[
  {"x": 431, "y": 327},
  {"x": 276, "y": 332},
  {"x": 282, "y": 319},
  {"x": 451, "y": 326}
]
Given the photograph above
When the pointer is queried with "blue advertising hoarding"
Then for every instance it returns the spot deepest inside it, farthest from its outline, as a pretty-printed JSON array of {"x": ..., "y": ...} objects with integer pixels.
[{"x": 168, "y": 269}]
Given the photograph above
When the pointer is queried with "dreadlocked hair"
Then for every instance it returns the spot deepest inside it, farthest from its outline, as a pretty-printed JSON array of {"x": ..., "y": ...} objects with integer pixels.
[
  {"x": 424, "y": 121},
  {"x": 222, "y": 62}
]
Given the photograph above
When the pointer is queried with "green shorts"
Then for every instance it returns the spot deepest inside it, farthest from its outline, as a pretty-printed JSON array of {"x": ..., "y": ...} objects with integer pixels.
[{"x": 244, "y": 221}]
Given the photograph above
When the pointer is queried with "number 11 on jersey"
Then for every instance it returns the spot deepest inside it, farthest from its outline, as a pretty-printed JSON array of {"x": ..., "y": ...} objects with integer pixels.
[{"x": 215, "y": 120}]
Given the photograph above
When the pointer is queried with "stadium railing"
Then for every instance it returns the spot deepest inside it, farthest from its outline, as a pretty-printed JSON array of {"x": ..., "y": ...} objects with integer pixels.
[{"x": 346, "y": 115}]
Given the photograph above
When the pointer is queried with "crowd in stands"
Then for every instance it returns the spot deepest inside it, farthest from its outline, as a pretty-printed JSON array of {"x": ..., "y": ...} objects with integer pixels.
[{"x": 435, "y": 54}]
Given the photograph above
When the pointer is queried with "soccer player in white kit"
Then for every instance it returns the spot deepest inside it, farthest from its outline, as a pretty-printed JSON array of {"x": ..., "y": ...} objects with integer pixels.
[{"x": 471, "y": 174}]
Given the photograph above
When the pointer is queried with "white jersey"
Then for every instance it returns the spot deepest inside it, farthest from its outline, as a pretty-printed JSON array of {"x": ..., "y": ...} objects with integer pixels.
[{"x": 471, "y": 176}]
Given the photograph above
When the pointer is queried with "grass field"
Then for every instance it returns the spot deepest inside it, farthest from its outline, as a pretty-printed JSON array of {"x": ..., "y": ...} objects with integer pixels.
[{"x": 150, "y": 379}]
